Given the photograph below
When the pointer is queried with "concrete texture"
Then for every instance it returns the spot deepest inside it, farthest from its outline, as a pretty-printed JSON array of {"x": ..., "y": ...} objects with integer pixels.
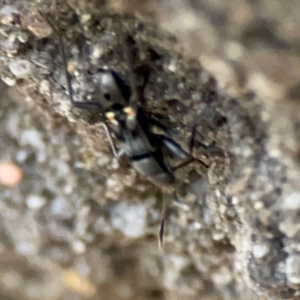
[{"x": 78, "y": 226}]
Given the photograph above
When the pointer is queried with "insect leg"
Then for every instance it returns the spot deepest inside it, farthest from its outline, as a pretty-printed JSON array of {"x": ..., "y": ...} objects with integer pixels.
[
  {"x": 165, "y": 191},
  {"x": 162, "y": 226},
  {"x": 183, "y": 164},
  {"x": 120, "y": 152},
  {"x": 78, "y": 104},
  {"x": 166, "y": 129},
  {"x": 163, "y": 218},
  {"x": 189, "y": 160},
  {"x": 174, "y": 148},
  {"x": 81, "y": 105},
  {"x": 192, "y": 141}
]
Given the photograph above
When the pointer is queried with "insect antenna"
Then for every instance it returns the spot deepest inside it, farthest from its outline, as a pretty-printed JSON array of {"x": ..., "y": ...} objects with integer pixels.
[
  {"x": 77, "y": 104},
  {"x": 133, "y": 101},
  {"x": 81, "y": 105}
]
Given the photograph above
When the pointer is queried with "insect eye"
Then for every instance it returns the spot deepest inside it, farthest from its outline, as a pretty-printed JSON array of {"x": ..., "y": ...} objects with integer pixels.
[{"x": 107, "y": 96}]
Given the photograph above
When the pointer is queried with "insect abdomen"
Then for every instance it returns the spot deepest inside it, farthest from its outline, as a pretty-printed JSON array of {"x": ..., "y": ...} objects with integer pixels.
[{"x": 148, "y": 166}]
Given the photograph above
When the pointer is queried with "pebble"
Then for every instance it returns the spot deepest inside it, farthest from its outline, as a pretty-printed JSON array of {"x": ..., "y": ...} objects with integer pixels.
[
  {"x": 45, "y": 88},
  {"x": 260, "y": 251},
  {"x": 7, "y": 14},
  {"x": 291, "y": 201},
  {"x": 78, "y": 246},
  {"x": 292, "y": 268},
  {"x": 21, "y": 68},
  {"x": 35, "y": 202},
  {"x": 130, "y": 219},
  {"x": 33, "y": 137},
  {"x": 8, "y": 79},
  {"x": 10, "y": 173}
]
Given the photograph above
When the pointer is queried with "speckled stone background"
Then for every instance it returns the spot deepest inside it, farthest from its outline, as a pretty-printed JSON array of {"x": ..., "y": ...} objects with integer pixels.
[{"x": 80, "y": 226}]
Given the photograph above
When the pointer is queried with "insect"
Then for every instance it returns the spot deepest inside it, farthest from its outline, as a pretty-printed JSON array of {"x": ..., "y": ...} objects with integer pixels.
[{"x": 133, "y": 126}]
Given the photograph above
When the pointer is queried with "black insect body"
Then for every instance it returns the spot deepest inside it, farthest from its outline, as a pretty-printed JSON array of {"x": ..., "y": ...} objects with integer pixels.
[
  {"x": 133, "y": 126},
  {"x": 140, "y": 144}
]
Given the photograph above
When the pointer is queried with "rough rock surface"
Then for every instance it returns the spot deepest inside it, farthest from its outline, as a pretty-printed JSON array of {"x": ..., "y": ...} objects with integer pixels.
[{"x": 80, "y": 226}]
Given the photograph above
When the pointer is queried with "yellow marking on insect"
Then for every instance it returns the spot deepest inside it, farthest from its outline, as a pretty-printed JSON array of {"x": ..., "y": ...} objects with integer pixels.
[
  {"x": 111, "y": 117},
  {"x": 130, "y": 112}
]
